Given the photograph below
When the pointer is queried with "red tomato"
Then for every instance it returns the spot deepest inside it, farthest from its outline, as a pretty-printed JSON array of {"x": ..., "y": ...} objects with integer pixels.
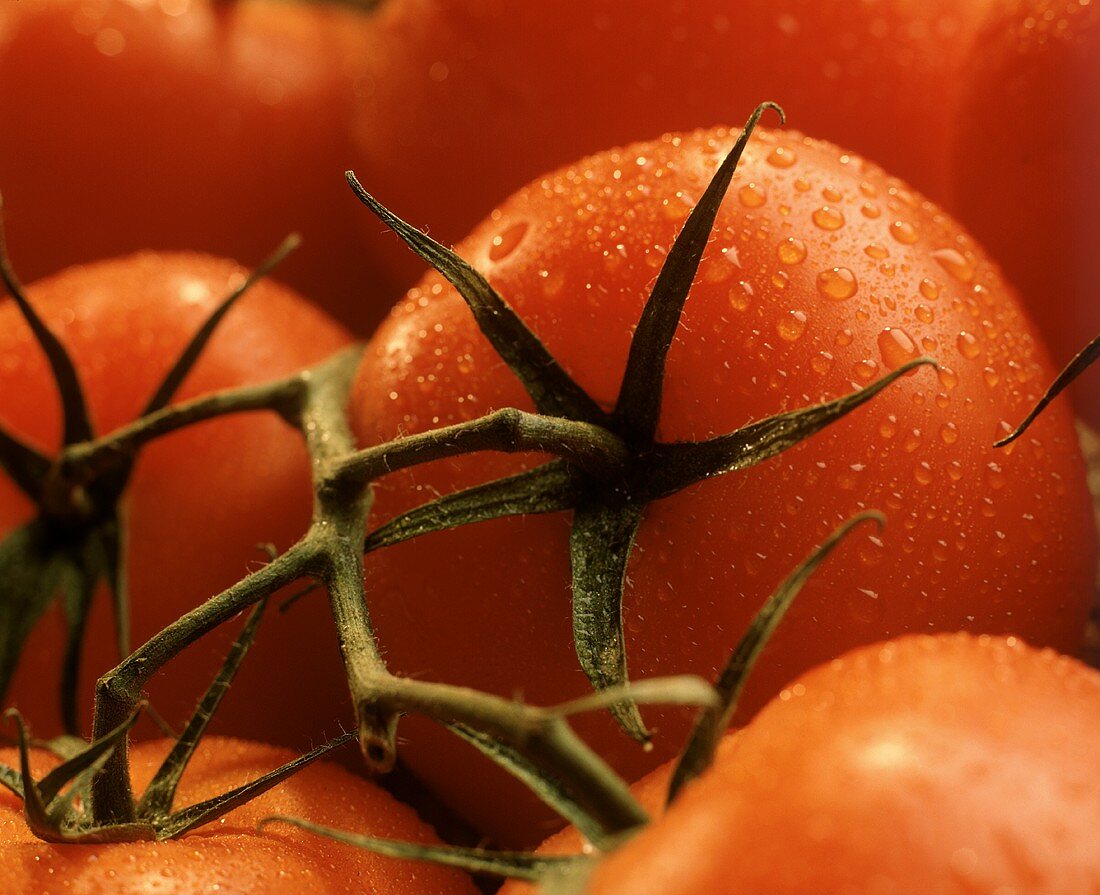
[
  {"x": 202, "y": 500},
  {"x": 231, "y": 856},
  {"x": 470, "y": 100},
  {"x": 1027, "y": 164},
  {"x": 185, "y": 124},
  {"x": 822, "y": 275},
  {"x": 945, "y": 764}
]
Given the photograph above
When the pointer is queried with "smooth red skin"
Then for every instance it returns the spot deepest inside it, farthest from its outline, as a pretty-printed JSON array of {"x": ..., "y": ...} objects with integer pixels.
[
  {"x": 218, "y": 127},
  {"x": 470, "y": 100},
  {"x": 1027, "y": 164},
  {"x": 231, "y": 856},
  {"x": 952, "y": 764},
  {"x": 201, "y": 500},
  {"x": 978, "y": 539}
]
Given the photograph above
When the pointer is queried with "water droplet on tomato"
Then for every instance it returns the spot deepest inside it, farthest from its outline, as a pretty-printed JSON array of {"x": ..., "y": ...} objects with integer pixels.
[
  {"x": 924, "y": 313},
  {"x": 896, "y": 347},
  {"x": 822, "y": 363},
  {"x": 949, "y": 433},
  {"x": 968, "y": 345},
  {"x": 828, "y": 218},
  {"x": 507, "y": 241},
  {"x": 792, "y": 251},
  {"x": 865, "y": 370},
  {"x": 877, "y": 251},
  {"x": 780, "y": 279},
  {"x": 782, "y": 157},
  {"x": 903, "y": 232},
  {"x": 955, "y": 263},
  {"x": 752, "y": 196},
  {"x": 838, "y": 283},
  {"x": 791, "y": 326},
  {"x": 929, "y": 289},
  {"x": 870, "y": 210}
]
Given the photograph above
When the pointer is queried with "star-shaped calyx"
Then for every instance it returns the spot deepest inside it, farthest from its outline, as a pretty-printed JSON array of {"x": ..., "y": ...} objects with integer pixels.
[{"x": 624, "y": 467}]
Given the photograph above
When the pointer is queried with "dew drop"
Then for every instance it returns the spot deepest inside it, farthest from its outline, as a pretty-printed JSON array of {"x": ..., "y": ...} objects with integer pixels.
[
  {"x": 929, "y": 289},
  {"x": 955, "y": 264},
  {"x": 949, "y": 433},
  {"x": 923, "y": 473},
  {"x": 831, "y": 194},
  {"x": 924, "y": 313},
  {"x": 828, "y": 218},
  {"x": 903, "y": 232},
  {"x": 792, "y": 251},
  {"x": 865, "y": 370},
  {"x": 838, "y": 283},
  {"x": 870, "y": 210},
  {"x": 507, "y": 241},
  {"x": 739, "y": 297},
  {"x": 752, "y": 196},
  {"x": 844, "y": 337},
  {"x": 896, "y": 347},
  {"x": 782, "y": 157},
  {"x": 889, "y": 427},
  {"x": 877, "y": 251},
  {"x": 968, "y": 345},
  {"x": 791, "y": 326},
  {"x": 948, "y": 377},
  {"x": 822, "y": 363},
  {"x": 991, "y": 376},
  {"x": 780, "y": 279}
]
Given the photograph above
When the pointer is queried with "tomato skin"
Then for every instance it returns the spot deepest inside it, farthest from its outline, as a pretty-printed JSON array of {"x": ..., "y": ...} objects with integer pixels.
[
  {"x": 194, "y": 124},
  {"x": 470, "y": 100},
  {"x": 948, "y": 764},
  {"x": 1027, "y": 163},
  {"x": 977, "y": 539},
  {"x": 231, "y": 856},
  {"x": 201, "y": 500}
]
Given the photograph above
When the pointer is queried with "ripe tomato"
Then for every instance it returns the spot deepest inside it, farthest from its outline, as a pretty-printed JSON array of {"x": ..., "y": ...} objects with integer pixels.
[
  {"x": 469, "y": 100},
  {"x": 1027, "y": 164},
  {"x": 201, "y": 500},
  {"x": 946, "y": 764},
  {"x": 823, "y": 274},
  {"x": 185, "y": 124},
  {"x": 232, "y": 856}
]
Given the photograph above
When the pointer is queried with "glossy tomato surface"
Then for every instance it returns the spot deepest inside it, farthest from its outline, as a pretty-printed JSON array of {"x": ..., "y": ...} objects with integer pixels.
[
  {"x": 947, "y": 764},
  {"x": 470, "y": 99},
  {"x": 185, "y": 124},
  {"x": 231, "y": 856},
  {"x": 823, "y": 274},
  {"x": 1027, "y": 165},
  {"x": 203, "y": 500}
]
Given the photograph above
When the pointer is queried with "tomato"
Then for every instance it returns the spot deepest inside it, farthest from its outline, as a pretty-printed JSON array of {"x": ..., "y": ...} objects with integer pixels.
[
  {"x": 469, "y": 100},
  {"x": 823, "y": 273},
  {"x": 1027, "y": 164},
  {"x": 232, "y": 856},
  {"x": 947, "y": 764},
  {"x": 202, "y": 500},
  {"x": 187, "y": 124}
]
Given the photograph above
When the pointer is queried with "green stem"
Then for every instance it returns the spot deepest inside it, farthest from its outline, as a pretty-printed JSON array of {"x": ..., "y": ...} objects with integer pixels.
[{"x": 589, "y": 447}]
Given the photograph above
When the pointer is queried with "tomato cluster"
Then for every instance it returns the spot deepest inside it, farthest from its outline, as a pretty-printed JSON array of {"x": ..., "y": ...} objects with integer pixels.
[{"x": 574, "y": 461}]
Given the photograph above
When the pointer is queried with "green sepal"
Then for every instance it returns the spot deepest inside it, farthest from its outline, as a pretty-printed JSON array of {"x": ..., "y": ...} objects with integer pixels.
[
  {"x": 157, "y": 799},
  {"x": 550, "y": 387},
  {"x": 676, "y": 465},
  {"x": 544, "y": 489},
  {"x": 549, "y": 790},
  {"x": 514, "y": 865},
  {"x": 600, "y": 543},
  {"x": 712, "y": 722},
  {"x": 1082, "y": 361},
  {"x": 32, "y": 573},
  {"x": 211, "y": 809},
  {"x": 77, "y": 424},
  {"x": 639, "y": 405}
]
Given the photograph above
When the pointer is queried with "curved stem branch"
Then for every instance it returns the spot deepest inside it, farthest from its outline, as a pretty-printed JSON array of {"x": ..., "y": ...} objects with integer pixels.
[{"x": 589, "y": 447}]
